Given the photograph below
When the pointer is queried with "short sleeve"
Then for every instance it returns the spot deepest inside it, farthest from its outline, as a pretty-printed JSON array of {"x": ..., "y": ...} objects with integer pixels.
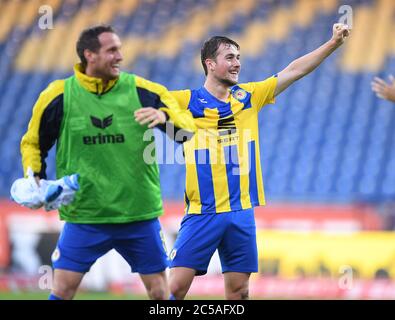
[{"x": 262, "y": 92}]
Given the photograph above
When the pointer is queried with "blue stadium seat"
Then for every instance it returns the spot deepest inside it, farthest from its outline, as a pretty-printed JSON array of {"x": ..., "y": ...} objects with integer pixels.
[{"x": 327, "y": 137}]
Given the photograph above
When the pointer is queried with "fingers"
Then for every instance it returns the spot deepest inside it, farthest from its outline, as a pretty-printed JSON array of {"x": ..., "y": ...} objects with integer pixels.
[
  {"x": 375, "y": 84},
  {"x": 154, "y": 123},
  {"x": 379, "y": 95},
  {"x": 143, "y": 119},
  {"x": 379, "y": 90},
  {"x": 149, "y": 115},
  {"x": 337, "y": 26},
  {"x": 340, "y": 32},
  {"x": 383, "y": 89},
  {"x": 380, "y": 81},
  {"x": 143, "y": 112},
  {"x": 341, "y": 27},
  {"x": 377, "y": 87},
  {"x": 346, "y": 32}
]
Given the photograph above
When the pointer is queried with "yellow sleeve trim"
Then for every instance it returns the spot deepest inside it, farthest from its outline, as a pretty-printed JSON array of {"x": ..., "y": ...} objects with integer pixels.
[
  {"x": 183, "y": 97},
  {"x": 30, "y": 148},
  {"x": 181, "y": 118},
  {"x": 262, "y": 92}
]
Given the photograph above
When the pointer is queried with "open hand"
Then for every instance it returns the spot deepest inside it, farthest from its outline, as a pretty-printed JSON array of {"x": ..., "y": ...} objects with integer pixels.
[{"x": 384, "y": 90}]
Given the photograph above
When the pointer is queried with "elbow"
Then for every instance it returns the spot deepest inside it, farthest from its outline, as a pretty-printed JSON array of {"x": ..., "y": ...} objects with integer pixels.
[{"x": 297, "y": 71}]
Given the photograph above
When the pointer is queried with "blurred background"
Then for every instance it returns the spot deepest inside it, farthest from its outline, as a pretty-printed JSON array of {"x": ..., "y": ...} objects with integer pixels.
[{"x": 327, "y": 145}]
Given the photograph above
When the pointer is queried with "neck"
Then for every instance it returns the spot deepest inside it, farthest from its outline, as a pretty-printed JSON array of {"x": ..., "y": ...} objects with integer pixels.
[
  {"x": 217, "y": 89},
  {"x": 91, "y": 73}
]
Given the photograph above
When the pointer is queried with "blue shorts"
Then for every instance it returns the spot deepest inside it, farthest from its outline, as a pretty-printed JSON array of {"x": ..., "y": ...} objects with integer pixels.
[
  {"x": 141, "y": 244},
  {"x": 232, "y": 233}
]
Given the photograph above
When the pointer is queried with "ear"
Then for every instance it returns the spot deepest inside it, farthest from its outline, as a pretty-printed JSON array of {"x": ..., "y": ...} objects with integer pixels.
[
  {"x": 90, "y": 56},
  {"x": 210, "y": 63}
]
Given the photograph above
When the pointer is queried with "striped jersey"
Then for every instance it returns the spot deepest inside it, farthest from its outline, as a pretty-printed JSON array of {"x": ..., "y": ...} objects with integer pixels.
[{"x": 223, "y": 169}]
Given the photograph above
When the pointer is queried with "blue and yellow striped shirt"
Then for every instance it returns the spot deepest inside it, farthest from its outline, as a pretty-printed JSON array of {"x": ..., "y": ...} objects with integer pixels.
[{"x": 223, "y": 169}]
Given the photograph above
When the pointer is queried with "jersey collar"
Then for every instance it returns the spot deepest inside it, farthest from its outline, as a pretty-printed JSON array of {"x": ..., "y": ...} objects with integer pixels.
[
  {"x": 213, "y": 100},
  {"x": 92, "y": 84}
]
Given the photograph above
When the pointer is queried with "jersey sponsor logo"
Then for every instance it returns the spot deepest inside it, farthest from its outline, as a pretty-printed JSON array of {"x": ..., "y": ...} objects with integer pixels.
[
  {"x": 228, "y": 139},
  {"x": 103, "y": 139},
  {"x": 239, "y": 94},
  {"x": 102, "y": 124},
  {"x": 226, "y": 126}
]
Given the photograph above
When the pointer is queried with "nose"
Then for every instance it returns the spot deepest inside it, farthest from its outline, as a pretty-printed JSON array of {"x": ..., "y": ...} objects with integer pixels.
[{"x": 118, "y": 56}]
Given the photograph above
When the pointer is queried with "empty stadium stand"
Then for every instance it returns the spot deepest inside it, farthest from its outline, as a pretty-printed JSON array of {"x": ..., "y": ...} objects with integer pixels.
[{"x": 327, "y": 138}]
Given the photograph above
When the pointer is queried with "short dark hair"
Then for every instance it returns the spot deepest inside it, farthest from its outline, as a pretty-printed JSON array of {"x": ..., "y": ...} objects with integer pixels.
[
  {"x": 89, "y": 39},
  {"x": 210, "y": 48}
]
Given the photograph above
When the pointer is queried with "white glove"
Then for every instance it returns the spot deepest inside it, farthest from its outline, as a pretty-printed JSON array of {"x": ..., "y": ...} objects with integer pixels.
[
  {"x": 27, "y": 192},
  {"x": 50, "y": 193},
  {"x": 68, "y": 186}
]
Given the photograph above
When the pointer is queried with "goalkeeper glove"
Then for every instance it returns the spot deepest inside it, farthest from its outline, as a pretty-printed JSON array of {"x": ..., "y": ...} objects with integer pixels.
[{"x": 50, "y": 193}]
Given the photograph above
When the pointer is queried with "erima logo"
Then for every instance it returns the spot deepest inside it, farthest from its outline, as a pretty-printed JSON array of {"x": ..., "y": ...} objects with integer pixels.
[
  {"x": 103, "y": 138},
  {"x": 102, "y": 124},
  {"x": 228, "y": 124}
]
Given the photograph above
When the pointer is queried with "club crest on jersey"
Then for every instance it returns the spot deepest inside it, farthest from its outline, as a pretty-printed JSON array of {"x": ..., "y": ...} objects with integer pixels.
[
  {"x": 239, "y": 94},
  {"x": 55, "y": 255},
  {"x": 162, "y": 238},
  {"x": 173, "y": 254}
]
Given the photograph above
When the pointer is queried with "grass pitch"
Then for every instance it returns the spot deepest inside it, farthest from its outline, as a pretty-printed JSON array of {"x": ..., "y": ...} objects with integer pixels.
[{"x": 43, "y": 295}]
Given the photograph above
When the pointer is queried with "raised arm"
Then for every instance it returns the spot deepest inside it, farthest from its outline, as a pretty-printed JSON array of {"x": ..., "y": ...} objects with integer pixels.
[{"x": 304, "y": 65}]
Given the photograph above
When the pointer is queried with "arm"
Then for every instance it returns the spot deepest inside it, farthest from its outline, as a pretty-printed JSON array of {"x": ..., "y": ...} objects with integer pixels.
[
  {"x": 150, "y": 115},
  {"x": 160, "y": 106},
  {"x": 304, "y": 65},
  {"x": 383, "y": 89},
  {"x": 43, "y": 129}
]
